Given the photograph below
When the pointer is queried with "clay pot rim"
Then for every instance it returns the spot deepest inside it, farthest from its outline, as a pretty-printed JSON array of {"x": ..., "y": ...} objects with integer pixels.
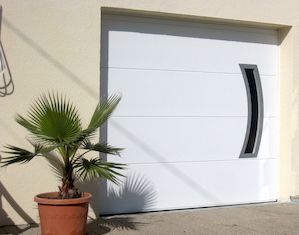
[{"x": 43, "y": 199}]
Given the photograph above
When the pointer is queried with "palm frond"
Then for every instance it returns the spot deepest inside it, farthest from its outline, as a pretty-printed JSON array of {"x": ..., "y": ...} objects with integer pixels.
[
  {"x": 20, "y": 155},
  {"x": 101, "y": 147},
  {"x": 93, "y": 168},
  {"x": 52, "y": 118},
  {"x": 103, "y": 111}
]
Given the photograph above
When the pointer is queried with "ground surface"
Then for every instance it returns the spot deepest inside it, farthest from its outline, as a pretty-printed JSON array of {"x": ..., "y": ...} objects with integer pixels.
[{"x": 274, "y": 219}]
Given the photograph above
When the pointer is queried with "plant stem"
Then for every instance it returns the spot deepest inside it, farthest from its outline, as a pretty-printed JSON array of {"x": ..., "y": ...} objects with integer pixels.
[{"x": 68, "y": 190}]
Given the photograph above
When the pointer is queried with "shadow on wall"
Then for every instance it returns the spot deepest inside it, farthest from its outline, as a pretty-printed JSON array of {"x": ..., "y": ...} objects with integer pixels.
[
  {"x": 5, "y": 219},
  {"x": 134, "y": 194},
  {"x": 51, "y": 59}
]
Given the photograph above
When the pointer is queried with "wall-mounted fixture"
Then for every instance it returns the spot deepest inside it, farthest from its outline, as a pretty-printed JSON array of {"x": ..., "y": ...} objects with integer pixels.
[{"x": 6, "y": 82}]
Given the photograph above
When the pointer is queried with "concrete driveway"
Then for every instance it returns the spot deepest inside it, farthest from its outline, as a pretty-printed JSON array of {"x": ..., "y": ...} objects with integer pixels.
[{"x": 272, "y": 219}]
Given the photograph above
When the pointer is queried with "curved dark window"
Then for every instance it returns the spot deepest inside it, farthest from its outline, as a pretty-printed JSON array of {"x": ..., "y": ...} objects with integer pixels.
[{"x": 255, "y": 111}]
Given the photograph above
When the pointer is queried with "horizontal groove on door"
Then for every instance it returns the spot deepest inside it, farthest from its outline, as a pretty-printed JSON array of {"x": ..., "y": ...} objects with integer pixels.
[
  {"x": 177, "y": 70},
  {"x": 203, "y": 161},
  {"x": 181, "y": 116}
]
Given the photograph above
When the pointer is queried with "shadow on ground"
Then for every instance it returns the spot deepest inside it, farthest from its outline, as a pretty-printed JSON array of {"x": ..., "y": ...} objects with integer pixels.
[
  {"x": 94, "y": 227},
  {"x": 16, "y": 230},
  {"x": 106, "y": 224},
  {"x": 5, "y": 218}
]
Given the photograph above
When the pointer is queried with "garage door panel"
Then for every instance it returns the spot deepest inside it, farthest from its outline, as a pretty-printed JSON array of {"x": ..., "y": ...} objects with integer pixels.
[
  {"x": 208, "y": 94},
  {"x": 202, "y": 52},
  {"x": 185, "y": 94},
  {"x": 152, "y": 140},
  {"x": 189, "y": 54},
  {"x": 199, "y": 184},
  {"x": 171, "y": 139}
]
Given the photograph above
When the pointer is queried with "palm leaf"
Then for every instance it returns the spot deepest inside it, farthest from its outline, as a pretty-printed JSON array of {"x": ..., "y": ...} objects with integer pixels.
[
  {"x": 103, "y": 111},
  {"x": 93, "y": 168},
  {"x": 101, "y": 148},
  {"x": 19, "y": 155},
  {"x": 52, "y": 118}
]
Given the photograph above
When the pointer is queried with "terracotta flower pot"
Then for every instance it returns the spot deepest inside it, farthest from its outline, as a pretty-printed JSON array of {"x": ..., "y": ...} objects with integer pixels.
[{"x": 62, "y": 216}]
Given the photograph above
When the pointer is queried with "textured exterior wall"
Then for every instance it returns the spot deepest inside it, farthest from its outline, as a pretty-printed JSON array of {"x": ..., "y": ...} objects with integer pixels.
[{"x": 55, "y": 45}]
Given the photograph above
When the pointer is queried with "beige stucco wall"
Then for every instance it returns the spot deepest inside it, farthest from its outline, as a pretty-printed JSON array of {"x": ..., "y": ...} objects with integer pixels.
[{"x": 55, "y": 45}]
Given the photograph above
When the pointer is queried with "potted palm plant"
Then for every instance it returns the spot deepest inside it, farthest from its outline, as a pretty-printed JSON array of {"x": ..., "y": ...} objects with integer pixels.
[{"x": 58, "y": 135}]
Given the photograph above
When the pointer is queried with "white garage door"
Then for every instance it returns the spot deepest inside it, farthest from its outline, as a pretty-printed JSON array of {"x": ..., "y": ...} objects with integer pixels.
[{"x": 198, "y": 117}]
